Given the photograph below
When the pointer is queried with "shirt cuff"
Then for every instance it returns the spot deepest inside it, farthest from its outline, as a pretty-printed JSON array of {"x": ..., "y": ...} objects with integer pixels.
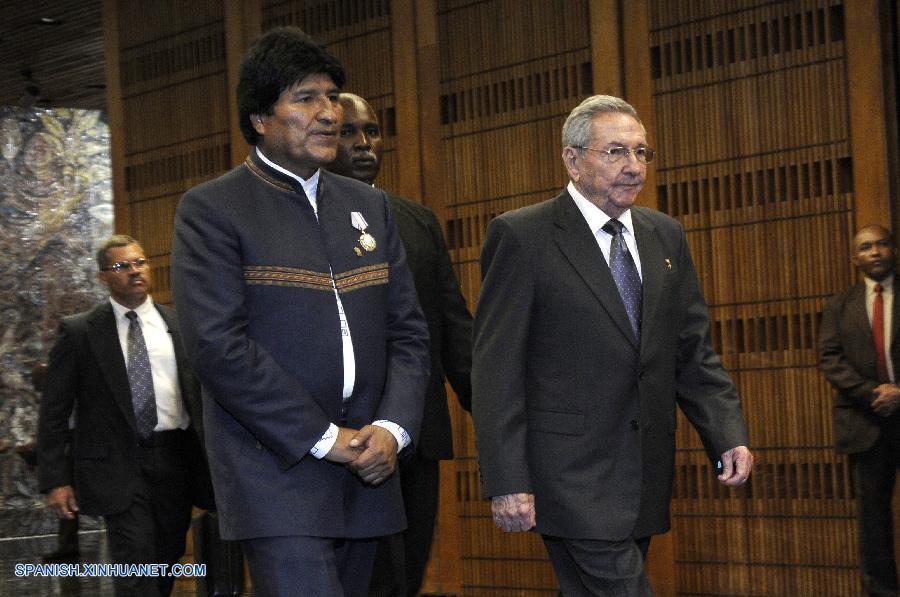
[
  {"x": 324, "y": 445},
  {"x": 397, "y": 431}
]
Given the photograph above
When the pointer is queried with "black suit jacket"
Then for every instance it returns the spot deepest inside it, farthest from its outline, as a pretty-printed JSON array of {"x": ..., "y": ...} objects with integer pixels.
[
  {"x": 566, "y": 404},
  {"x": 86, "y": 374},
  {"x": 847, "y": 358},
  {"x": 449, "y": 322}
]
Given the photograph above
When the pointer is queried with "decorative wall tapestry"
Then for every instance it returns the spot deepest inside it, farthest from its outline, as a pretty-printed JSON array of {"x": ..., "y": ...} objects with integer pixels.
[{"x": 55, "y": 206}]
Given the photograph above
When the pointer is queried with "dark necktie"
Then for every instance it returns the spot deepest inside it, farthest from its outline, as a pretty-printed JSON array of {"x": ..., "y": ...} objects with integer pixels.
[
  {"x": 625, "y": 273},
  {"x": 139, "y": 377},
  {"x": 878, "y": 334}
]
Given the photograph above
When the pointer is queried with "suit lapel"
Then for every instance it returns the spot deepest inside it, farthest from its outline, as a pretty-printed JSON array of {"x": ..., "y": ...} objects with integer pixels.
[
  {"x": 580, "y": 248},
  {"x": 180, "y": 358},
  {"x": 858, "y": 317},
  {"x": 652, "y": 272},
  {"x": 104, "y": 341},
  {"x": 895, "y": 322}
]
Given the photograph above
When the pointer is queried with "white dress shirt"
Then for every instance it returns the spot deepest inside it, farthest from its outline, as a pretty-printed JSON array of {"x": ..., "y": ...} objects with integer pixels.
[
  {"x": 324, "y": 445},
  {"x": 170, "y": 410},
  {"x": 596, "y": 219},
  {"x": 887, "y": 297}
]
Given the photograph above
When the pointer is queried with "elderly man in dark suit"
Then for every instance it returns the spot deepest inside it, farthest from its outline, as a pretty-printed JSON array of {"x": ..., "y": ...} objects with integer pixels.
[
  {"x": 402, "y": 558},
  {"x": 859, "y": 353},
  {"x": 133, "y": 454},
  {"x": 301, "y": 319},
  {"x": 590, "y": 328}
]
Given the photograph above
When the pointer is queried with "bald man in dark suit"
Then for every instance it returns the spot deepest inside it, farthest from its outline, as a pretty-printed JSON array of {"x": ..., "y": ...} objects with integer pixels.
[
  {"x": 402, "y": 557},
  {"x": 859, "y": 353}
]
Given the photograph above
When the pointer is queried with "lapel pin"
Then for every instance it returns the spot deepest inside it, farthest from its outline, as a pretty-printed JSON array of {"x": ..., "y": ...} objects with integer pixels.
[
  {"x": 668, "y": 264},
  {"x": 357, "y": 251}
]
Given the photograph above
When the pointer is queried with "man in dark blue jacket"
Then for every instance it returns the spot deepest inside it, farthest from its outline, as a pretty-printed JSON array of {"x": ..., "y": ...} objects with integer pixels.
[{"x": 300, "y": 317}]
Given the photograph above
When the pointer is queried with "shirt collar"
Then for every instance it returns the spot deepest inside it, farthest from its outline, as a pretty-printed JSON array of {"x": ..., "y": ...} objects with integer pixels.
[
  {"x": 309, "y": 185},
  {"x": 595, "y": 217},
  {"x": 887, "y": 284},
  {"x": 143, "y": 310}
]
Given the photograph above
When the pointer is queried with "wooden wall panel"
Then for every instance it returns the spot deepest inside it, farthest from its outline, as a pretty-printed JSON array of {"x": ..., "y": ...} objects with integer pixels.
[
  {"x": 756, "y": 161},
  {"x": 170, "y": 98}
]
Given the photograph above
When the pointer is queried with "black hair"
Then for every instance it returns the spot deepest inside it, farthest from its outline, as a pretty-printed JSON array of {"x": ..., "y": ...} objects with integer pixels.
[{"x": 275, "y": 61}]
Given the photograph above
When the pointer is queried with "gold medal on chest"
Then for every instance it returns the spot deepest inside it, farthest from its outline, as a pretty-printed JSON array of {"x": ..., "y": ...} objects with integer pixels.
[{"x": 366, "y": 240}]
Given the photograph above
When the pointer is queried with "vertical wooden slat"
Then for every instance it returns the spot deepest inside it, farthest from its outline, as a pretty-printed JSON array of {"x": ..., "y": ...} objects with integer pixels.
[
  {"x": 868, "y": 128},
  {"x": 404, "y": 46},
  {"x": 242, "y": 25},
  {"x": 114, "y": 112},
  {"x": 606, "y": 46}
]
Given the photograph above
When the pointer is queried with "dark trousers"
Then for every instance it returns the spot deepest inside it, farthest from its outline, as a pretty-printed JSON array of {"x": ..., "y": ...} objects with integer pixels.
[
  {"x": 153, "y": 528},
  {"x": 874, "y": 473},
  {"x": 401, "y": 559},
  {"x": 593, "y": 568},
  {"x": 297, "y": 565},
  {"x": 67, "y": 536}
]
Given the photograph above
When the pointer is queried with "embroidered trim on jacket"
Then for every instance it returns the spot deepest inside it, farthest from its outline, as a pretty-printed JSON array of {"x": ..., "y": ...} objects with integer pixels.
[
  {"x": 362, "y": 277},
  {"x": 270, "y": 275},
  {"x": 266, "y": 178}
]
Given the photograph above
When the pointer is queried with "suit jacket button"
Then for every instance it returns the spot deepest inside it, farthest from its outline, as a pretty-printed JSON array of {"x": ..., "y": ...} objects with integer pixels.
[
  {"x": 258, "y": 446},
  {"x": 635, "y": 425}
]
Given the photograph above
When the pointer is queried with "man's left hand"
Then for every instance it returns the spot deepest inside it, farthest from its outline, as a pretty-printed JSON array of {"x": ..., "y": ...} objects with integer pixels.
[
  {"x": 379, "y": 458},
  {"x": 736, "y": 465}
]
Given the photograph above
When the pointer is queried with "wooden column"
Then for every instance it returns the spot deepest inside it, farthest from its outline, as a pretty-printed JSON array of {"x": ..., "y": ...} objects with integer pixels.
[
  {"x": 429, "y": 91},
  {"x": 242, "y": 25},
  {"x": 406, "y": 98},
  {"x": 115, "y": 116},
  {"x": 606, "y": 46},
  {"x": 868, "y": 126},
  {"x": 638, "y": 89}
]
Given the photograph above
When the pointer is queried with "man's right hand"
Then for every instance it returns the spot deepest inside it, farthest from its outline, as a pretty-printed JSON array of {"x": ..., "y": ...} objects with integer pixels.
[
  {"x": 513, "y": 511},
  {"x": 887, "y": 399},
  {"x": 342, "y": 452},
  {"x": 62, "y": 501}
]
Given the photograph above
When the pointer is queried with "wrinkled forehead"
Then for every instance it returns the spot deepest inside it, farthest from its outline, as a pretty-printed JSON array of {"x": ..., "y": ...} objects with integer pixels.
[{"x": 617, "y": 128}]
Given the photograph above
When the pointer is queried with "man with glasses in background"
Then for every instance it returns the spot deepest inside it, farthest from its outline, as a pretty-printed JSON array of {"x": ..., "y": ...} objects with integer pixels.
[
  {"x": 590, "y": 328},
  {"x": 133, "y": 455}
]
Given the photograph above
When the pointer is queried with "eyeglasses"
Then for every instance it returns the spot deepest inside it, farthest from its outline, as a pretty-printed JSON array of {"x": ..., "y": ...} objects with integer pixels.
[
  {"x": 612, "y": 155},
  {"x": 126, "y": 266}
]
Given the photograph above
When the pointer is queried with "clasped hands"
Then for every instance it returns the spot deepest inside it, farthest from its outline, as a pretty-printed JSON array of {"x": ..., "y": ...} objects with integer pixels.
[{"x": 370, "y": 452}]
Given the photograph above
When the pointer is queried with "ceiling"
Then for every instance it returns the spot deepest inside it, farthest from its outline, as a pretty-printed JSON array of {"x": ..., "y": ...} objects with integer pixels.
[{"x": 59, "y": 63}]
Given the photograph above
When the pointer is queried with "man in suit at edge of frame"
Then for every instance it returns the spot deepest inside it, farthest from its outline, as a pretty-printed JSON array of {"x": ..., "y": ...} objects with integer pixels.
[
  {"x": 402, "y": 558},
  {"x": 859, "y": 354},
  {"x": 590, "y": 328},
  {"x": 134, "y": 453}
]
